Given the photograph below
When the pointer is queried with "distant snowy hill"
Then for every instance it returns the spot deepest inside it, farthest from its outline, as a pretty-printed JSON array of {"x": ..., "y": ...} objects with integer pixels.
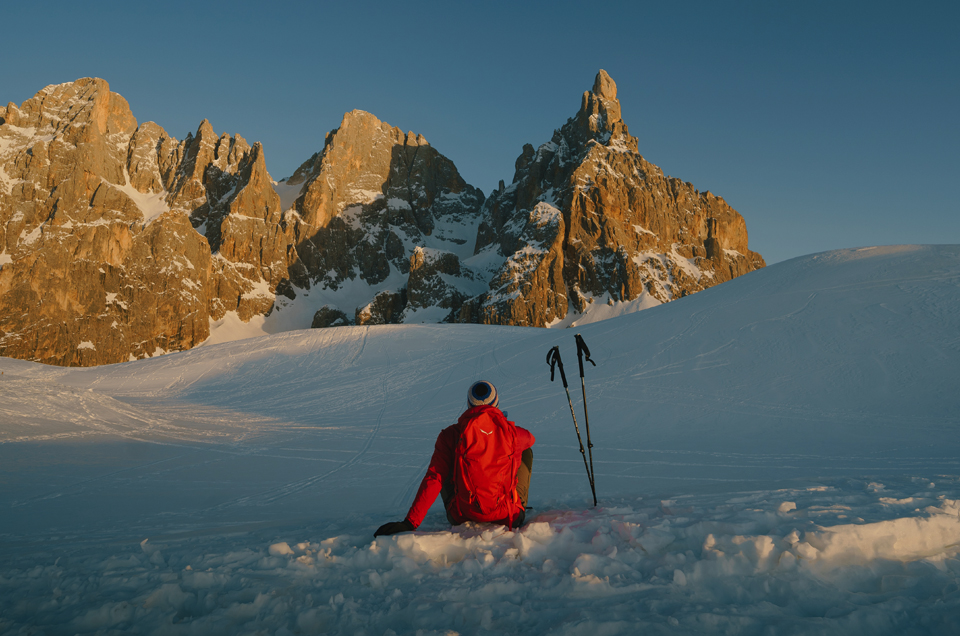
[{"x": 778, "y": 454}]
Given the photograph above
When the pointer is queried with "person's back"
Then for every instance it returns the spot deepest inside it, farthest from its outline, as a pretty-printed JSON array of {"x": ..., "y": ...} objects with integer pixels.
[{"x": 481, "y": 468}]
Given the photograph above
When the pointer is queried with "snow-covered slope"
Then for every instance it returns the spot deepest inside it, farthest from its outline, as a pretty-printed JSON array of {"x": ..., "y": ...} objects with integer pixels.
[{"x": 777, "y": 453}]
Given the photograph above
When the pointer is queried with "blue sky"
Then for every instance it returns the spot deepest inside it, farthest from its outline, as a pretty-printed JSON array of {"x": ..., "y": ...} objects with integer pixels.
[{"x": 826, "y": 124}]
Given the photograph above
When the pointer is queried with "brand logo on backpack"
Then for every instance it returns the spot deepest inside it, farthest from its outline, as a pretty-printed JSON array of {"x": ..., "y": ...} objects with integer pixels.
[{"x": 485, "y": 466}]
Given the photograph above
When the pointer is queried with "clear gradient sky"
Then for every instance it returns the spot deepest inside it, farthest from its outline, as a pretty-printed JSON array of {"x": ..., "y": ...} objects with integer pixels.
[{"x": 826, "y": 124}]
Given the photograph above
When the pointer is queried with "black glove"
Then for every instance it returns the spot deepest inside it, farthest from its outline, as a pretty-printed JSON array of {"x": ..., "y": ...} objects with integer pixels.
[{"x": 394, "y": 527}]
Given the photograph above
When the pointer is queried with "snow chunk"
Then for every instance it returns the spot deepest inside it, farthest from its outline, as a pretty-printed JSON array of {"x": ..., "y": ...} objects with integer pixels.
[
  {"x": 359, "y": 195},
  {"x": 903, "y": 539},
  {"x": 260, "y": 289},
  {"x": 642, "y": 230},
  {"x": 544, "y": 214},
  {"x": 398, "y": 204},
  {"x": 280, "y": 549}
]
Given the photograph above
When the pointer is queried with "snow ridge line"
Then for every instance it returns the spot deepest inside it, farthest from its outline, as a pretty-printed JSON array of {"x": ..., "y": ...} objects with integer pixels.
[{"x": 363, "y": 345}]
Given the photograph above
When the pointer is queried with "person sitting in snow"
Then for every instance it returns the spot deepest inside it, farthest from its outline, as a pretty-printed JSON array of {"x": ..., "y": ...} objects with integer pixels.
[{"x": 480, "y": 468}]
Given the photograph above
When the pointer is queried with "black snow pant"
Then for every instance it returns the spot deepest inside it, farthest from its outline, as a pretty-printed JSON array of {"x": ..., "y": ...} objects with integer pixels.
[{"x": 523, "y": 489}]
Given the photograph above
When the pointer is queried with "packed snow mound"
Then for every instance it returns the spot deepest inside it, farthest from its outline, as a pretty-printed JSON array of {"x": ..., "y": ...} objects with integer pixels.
[
  {"x": 775, "y": 454},
  {"x": 702, "y": 565}
]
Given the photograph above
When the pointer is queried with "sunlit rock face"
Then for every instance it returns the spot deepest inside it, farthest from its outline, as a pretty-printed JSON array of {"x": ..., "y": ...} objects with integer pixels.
[
  {"x": 95, "y": 266},
  {"x": 588, "y": 219},
  {"x": 118, "y": 241},
  {"x": 382, "y": 209}
]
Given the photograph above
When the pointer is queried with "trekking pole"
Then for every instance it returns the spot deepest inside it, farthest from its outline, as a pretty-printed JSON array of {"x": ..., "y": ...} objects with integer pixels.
[
  {"x": 553, "y": 359},
  {"x": 581, "y": 352}
]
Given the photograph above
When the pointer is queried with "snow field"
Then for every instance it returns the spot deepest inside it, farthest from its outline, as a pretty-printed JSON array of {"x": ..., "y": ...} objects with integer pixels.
[
  {"x": 757, "y": 563},
  {"x": 775, "y": 455}
]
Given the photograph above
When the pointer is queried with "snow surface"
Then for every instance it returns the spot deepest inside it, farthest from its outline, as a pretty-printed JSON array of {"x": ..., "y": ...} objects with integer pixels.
[
  {"x": 6, "y": 183},
  {"x": 32, "y": 237},
  {"x": 288, "y": 193},
  {"x": 288, "y": 315},
  {"x": 356, "y": 293},
  {"x": 774, "y": 455},
  {"x": 604, "y": 307},
  {"x": 151, "y": 204},
  {"x": 447, "y": 231}
]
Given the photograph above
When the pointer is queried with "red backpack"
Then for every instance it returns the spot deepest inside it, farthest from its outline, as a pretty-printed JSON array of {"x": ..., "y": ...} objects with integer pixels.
[{"x": 485, "y": 466}]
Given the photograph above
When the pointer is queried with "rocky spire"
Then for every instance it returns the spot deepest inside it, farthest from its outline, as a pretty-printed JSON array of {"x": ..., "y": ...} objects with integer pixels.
[
  {"x": 599, "y": 116},
  {"x": 369, "y": 198},
  {"x": 606, "y": 224},
  {"x": 604, "y": 87}
]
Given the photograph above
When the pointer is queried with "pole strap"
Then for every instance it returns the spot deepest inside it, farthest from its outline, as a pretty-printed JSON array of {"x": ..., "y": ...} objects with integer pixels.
[
  {"x": 553, "y": 359},
  {"x": 581, "y": 350}
]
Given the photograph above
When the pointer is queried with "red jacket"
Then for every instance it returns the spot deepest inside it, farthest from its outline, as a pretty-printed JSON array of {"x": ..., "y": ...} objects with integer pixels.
[{"x": 440, "y": 471}]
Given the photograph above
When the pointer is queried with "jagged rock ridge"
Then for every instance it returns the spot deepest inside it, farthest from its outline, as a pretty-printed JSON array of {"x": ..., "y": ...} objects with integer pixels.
[
  {"x": 74, "y": 171},
  {"x": 587, "y": 218},
  {"x": 118, "y": 241},
  {"x": 384, "y": 209}
]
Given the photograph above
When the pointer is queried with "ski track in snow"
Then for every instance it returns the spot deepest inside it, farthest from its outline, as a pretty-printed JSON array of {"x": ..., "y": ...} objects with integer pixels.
[
  {"x": 775, "y": 455},
  {"x": 292, "y": 488}
]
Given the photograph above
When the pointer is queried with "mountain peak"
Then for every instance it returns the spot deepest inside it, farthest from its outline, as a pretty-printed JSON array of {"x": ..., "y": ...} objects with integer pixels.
[
  {"x": 599, "y": 115},
  {"x": 623, "y": 233},
  {"x": 59, "y": 107},
  {"x": 604, "y": 87},
  {"x": 357, "y": 115}
]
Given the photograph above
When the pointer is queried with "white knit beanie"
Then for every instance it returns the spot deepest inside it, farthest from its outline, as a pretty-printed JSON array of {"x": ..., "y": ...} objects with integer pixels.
[{"x": 482, "y": 393}]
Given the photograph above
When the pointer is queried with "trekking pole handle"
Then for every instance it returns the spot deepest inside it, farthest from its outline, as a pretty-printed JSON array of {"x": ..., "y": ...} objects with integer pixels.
[
  {"x": 581, "y": 349},
  {"x": 553, "y": 359}
]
